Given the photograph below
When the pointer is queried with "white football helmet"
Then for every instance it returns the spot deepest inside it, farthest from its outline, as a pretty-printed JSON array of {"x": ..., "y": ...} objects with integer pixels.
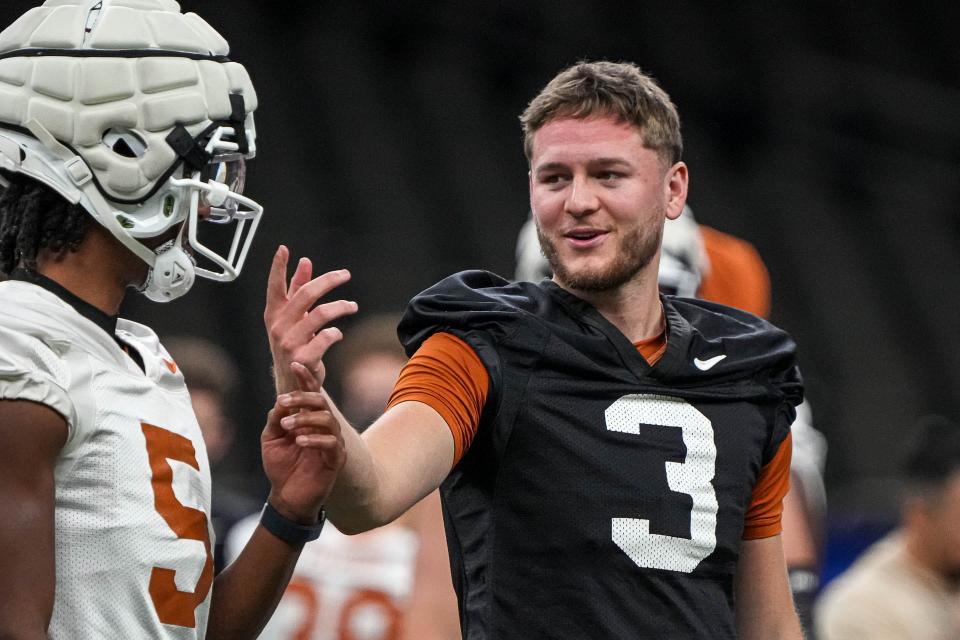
[
  {"x": 683, "y": 260},
  {"x": 532, "y": 266},
  {"x": 133, "y": 110}
]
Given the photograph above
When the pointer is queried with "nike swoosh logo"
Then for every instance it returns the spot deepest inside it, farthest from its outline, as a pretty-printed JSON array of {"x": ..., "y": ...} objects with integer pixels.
[{"x": 706, "y": 365}]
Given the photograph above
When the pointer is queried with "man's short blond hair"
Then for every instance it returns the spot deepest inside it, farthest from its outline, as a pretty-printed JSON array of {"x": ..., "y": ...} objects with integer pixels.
[{"x": 618, "y": 89}]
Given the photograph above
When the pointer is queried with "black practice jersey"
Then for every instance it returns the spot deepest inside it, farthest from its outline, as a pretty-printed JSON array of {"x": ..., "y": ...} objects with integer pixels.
[{"x": 602, "y": 497}]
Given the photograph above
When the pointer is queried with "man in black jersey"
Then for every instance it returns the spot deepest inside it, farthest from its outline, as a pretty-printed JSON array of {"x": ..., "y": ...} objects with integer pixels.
[{"x": 612, "y": 462}]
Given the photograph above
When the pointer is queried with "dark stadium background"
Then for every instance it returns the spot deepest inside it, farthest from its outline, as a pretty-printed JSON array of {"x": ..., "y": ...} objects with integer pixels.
[{"x": 827, "y": 133}]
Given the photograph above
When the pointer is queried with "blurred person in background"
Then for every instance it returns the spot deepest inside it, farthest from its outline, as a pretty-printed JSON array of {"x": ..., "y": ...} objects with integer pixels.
[
  {"x": 698, "y": 261},
  {"x": 211, "y": 376},
  {"x": 906, "y": 586},
  {"x": 391, "y": 583}
]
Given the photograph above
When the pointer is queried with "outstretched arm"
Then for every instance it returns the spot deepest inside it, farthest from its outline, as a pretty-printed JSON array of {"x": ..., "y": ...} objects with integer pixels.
[
  {"x": 400, "y": 459},
  {"x": 246, "y": 593}
]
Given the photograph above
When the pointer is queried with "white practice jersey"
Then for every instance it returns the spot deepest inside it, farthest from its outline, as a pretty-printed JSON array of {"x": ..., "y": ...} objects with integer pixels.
[
  {"x": 133, "y": 541},
  {"x": 344, "y": 587}
]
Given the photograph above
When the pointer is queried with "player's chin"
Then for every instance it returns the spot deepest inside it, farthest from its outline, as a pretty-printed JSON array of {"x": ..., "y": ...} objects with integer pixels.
[{"x": 585, "y": 268}]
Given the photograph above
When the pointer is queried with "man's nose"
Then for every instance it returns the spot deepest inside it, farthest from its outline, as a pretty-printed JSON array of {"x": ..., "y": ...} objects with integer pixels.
[{"x": 581, "y": 199}]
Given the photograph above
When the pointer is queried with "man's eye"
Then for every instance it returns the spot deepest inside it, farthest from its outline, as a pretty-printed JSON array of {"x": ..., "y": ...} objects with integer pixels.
[
  {"x": 609, "y": 176},
  {"x": 553, "y": 178}
]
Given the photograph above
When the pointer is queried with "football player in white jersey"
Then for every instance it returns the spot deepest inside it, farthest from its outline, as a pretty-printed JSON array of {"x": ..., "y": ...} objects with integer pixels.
[{"x": 123, "y": 127}]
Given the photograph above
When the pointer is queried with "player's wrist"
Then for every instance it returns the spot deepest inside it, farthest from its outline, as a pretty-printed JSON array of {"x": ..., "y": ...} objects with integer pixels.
[
  {"x": 293, "y": 532},
  {"x": 306, "y": 515},
  {"x": 283, "y": 382}
]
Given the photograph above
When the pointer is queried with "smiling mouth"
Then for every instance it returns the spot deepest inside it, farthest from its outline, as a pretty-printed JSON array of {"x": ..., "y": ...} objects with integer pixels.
[{"x": 584, "y": 237}]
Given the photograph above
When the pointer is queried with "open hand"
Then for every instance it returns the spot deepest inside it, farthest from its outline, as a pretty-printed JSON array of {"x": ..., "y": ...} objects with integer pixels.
[{"x": 296, "y": 332}]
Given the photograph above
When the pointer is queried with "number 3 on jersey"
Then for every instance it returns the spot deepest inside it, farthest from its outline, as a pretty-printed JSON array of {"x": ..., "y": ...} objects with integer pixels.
[
  {"x": 693, "y": 476},
  {"x": 175, "y": 606}
]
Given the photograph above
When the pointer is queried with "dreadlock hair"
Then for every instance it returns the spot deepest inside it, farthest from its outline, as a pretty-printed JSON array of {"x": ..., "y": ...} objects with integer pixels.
[{"x": 34, "y": 217}]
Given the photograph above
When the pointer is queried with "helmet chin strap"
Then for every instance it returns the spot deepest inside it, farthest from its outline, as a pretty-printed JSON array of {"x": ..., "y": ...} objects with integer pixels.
[
  {"x": 172, "y": 270},
  {"x": 172, "y": 274}
]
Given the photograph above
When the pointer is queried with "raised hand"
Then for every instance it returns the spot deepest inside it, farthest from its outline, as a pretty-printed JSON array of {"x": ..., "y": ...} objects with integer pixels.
[
  {"x": 302, "y": 449},
  {"x": 296, "y": 332}
]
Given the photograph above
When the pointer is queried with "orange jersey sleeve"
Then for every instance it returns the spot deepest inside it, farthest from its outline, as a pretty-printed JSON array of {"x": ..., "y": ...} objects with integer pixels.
[
  {"x": 737, "y": 276},
  {"x": 446, "y": 374},
  {"x": 766, "y": 503}
]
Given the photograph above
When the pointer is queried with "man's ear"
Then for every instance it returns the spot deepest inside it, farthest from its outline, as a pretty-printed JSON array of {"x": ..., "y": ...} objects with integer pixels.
[{"x": 675, "y": 184}]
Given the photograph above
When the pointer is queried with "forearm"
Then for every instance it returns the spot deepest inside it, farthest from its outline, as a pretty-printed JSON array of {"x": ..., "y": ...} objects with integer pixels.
[
  {"x": 764, "y": 606},
  {"x": 355, "y": 505},
  {"x": 246, "y": 593},
  {"x": 399, "y": 460},
  {"x": 759, "y": 624}
]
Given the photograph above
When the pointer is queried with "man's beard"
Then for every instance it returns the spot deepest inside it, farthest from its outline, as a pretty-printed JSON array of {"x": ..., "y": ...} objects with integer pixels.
[{"x": 635, "y": 252}]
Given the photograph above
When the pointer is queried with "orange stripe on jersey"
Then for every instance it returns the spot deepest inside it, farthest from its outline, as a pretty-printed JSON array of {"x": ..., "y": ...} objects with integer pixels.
[
  {"x": 766, "y": 503},
  {"x": 737, "y": 275},
  {"x": 446, "y": 374}
]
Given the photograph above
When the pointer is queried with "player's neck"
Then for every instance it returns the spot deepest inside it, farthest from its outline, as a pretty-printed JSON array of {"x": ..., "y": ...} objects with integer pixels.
[
  {"x": 634, "y": 308},
  {"x": 96, "y": 272}
]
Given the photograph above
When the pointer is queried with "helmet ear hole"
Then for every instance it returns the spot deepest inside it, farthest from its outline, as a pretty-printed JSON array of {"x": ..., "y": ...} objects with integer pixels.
[{"x": 125, "y": 143}]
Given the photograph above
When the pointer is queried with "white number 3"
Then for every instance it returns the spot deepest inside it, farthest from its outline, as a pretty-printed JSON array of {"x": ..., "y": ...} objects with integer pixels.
[{"x": 693, "y": 476}]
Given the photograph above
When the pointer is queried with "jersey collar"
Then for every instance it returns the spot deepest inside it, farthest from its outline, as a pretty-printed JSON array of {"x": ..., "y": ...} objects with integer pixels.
[{"x": 678, "y": 334}]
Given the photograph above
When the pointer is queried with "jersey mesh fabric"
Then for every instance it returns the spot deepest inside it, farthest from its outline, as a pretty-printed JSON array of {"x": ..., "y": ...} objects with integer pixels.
[
  {"x": 590, "y": 503},
  {"x": 109, "y": 534},
  {"x": 446, "y": 374}
]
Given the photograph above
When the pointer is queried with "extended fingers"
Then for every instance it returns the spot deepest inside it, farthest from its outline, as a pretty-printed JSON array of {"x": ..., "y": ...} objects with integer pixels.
[
  {"x": 301, "y": 400},
  {"x": 277, "y": 280},
  {"x": 324, "y": 314},
  {"x": 309, "y": 292},
  {"x": 322, "y": 421},
  {"x": 307, "y": 340},
  {"x": 291, "y": 326},
  {"x": 320, "y": 441},
  {"x": 311, "y": 330},
  {"x": 301, "y": 276}
]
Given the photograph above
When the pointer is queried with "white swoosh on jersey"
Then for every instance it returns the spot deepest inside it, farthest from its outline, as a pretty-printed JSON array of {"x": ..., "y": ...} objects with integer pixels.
[{"x": 705, "y": 365}]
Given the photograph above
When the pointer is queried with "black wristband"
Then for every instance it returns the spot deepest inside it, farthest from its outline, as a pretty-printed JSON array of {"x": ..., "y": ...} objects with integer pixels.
[{"x": 287, "y": 530}]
